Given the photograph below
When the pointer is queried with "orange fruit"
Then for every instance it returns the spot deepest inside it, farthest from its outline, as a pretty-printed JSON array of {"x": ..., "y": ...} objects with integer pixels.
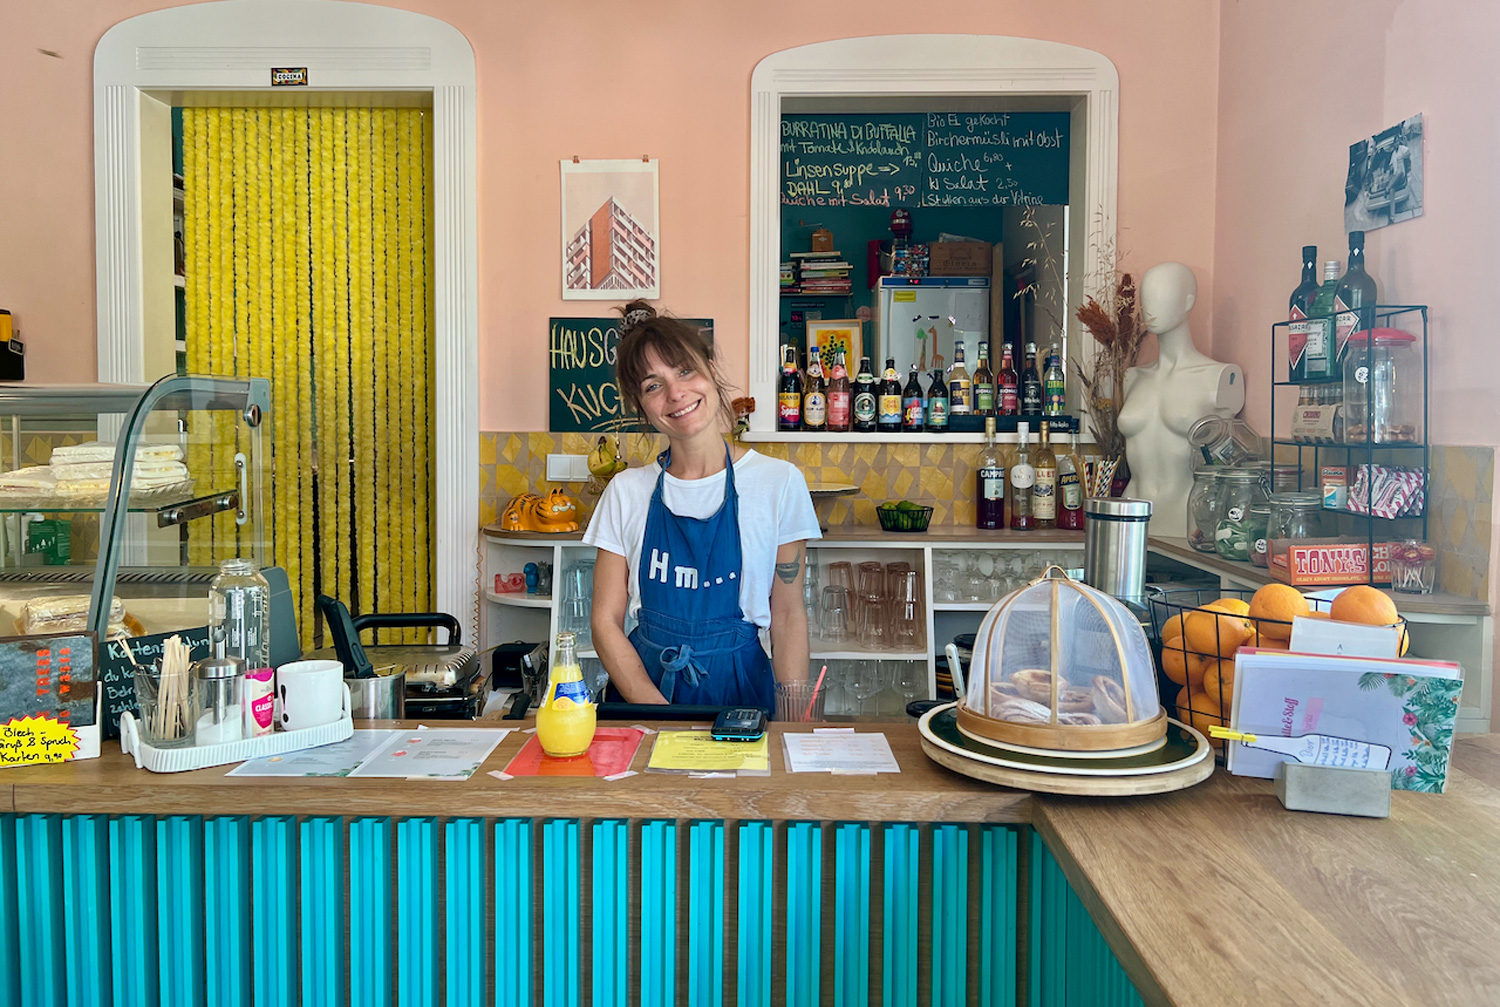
[
  {"x": 1218, "y": 682},
  {"x": 1172, "y": 629},
  {"x": 1180, "y": 666},
  {"x": 1364, "y": 604},
  {"x": 1266, "y": 643},
  {"x": 1280, "y": 603},
  {"x": 1201, "y": 702},
  {"x": 1209, "y": 632},
  {"x": 1234, "y": 606},
  {"x": 1405, "y": 640},
  {"x": 1318, "y": 614}
]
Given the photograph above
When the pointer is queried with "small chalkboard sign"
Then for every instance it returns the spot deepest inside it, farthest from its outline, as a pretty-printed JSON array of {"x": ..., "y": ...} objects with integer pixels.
[
  {"x": 996, "y": 158},
  {"x": 582, "y": 392},
  {"x": 117, "y": 670}
]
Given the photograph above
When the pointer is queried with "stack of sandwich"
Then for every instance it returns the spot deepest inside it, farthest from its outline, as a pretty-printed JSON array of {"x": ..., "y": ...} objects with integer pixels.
[
  {"x": 82, "y": 470},
  {"x": 68, "y": 613}
]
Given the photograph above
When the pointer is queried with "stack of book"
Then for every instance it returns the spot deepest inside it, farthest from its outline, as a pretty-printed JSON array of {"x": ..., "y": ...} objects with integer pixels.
[
  {"x": 789, "y": 278},
  {"x": 822, "y": 273}
]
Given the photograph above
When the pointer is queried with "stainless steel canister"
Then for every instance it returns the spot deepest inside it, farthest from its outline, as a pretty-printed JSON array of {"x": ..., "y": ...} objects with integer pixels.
[
  {"x": 380, "y": 697},
  {"x": 1114, "y": 546}
]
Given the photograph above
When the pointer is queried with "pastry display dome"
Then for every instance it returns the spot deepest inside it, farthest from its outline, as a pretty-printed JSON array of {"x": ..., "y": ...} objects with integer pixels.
[{"x": 1058, "y": 665}]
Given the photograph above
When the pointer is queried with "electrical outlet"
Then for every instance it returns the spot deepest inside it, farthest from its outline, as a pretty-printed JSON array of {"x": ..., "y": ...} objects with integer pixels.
[{"x": 566, "y": 468}]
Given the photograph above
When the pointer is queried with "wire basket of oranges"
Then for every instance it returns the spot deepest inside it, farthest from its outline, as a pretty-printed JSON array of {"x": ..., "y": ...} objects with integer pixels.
[{"x": 1197, "y": 632}]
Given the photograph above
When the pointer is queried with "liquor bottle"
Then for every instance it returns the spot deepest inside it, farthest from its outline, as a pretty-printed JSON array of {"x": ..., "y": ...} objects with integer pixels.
[
  {"x": 913, "y": 408},
  {"x": 1354, "y": 301},
  {"x": 865, "y": 406},
  {"x": 789, "y": 393},
  {"x": 1022, "y": 481},
  {"x": 1054, "y": 385},
  {"x": 1298, "y": 308},
  {"x": 1069, "y": 488},
  {"x": 888, "y": 418},
  {"x": 1007, "y": 385},
  {"x": 989, "y": 481},
  {"x": 1031, "y": 384},
  {"x": 937, "y": 403},
  {"x": 1318, "y": 356},
  {"x": 840, "y": 397},
  {"x": 1044, "y": 493},
  {"x": 960, "y": 389},
  {"x": 814, "y": 393},
  {"x": 984, "y": 383}
]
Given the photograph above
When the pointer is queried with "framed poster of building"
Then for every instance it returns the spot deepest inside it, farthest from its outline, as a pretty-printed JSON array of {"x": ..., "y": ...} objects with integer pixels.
[{"x": 611, "y": 228}]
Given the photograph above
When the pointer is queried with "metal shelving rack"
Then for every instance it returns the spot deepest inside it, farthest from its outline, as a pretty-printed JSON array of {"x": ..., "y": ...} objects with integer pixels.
[{"x": 1366, "y": 452}]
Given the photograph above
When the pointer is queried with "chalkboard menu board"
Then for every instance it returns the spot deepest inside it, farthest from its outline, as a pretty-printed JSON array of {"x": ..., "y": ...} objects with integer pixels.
[
  {"x": 925, "y": 159},
  {"x": 582, "y": 394},
  {"x": 117, "y": 671}
]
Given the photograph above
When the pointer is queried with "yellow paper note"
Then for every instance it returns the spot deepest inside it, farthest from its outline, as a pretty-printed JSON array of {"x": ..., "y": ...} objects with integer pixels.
[
  {"x": 36, "y": 739},
  {"x": 698, "y": 752}
]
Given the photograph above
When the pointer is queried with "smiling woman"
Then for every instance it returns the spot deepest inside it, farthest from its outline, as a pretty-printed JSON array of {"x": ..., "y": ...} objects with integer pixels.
[{"x": 712, "y": 580}]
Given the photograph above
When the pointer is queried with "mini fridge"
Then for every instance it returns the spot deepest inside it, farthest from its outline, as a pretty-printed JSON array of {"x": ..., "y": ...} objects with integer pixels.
[{"x": 918, "y": 318}]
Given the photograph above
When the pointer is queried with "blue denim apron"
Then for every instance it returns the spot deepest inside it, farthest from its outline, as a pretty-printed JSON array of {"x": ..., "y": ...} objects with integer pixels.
[{"x": 692, "y": 635}]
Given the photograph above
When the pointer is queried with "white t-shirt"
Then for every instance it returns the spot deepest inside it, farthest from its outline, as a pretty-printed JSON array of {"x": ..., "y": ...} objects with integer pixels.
[{"x": 775, "y": 509}]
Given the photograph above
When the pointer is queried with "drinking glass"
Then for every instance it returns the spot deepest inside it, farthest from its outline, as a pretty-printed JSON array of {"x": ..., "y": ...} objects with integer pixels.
[
  {"x": 863, "y": 681},
  {"x": 873, "y": 623},
  {"x": 800, "y": 701},
  {"x": 577, "y": 601},
  {"x": 835, "y": 618},
  {"x": 911, "y": 680},
  {"x": 811, "y": 594},
  {"x": 841, "y": 574}
]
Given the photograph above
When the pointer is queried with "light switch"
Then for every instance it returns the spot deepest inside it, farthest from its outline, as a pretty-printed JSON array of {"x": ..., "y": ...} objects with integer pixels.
[{"x": 564, "y": 468}]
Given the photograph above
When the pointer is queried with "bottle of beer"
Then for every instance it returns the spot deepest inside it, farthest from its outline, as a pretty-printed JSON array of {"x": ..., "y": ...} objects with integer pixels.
[
  {"x": 1022, "y": 481},
  {"x": 913, "y": 408},
  {"x": 1007, "y": 385},
  {"x": 840, "y": 396},
  {"x": 984, "y": 383},
  {"x": 789, "y": 392},
  {"x": 1044, "y": 493},
  {"x": 814, "y": 393},
  {"x": 1031, "y": 384},
  {"x": 888, "y": 416},
  {"x": 960, "y": 391},
  {"x": 865, "y": 404},
  {"x": 1054, "y": 385},
  {"x": 937, "y": 403}
]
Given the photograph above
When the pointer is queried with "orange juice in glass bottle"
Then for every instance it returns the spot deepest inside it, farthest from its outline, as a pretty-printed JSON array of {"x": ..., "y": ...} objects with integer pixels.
[{"x": 566, "y": 720}]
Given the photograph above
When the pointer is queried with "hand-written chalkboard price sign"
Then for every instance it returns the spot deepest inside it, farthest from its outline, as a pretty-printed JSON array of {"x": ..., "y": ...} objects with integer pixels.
[
  {"x": 583, "y": 396},
  {"x": 117, "y": 670}
]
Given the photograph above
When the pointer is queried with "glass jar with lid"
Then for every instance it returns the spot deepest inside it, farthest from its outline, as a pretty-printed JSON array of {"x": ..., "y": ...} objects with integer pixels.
[
  {"x": 1202, "y": 520},
  {"x": 1219, "y": 440},
  {"x": 1239, "y": 490},
  {"x": 1383, "y": 388},
  {"x": 1295, "y": 516},
  {"x": 1285, "y": 478},
  {"x": 1258, "y": 522}
]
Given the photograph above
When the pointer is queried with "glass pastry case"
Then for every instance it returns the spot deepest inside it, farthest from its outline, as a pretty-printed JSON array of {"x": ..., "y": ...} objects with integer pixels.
[{"x": 117, "y": 502}]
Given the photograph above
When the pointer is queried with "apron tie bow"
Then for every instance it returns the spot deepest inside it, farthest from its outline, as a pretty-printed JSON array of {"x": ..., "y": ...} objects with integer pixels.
[{"x": 679, "y": 659}]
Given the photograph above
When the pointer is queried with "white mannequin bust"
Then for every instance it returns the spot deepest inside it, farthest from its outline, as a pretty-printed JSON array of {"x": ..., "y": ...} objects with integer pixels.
[{"x": 1165, "y": 398}]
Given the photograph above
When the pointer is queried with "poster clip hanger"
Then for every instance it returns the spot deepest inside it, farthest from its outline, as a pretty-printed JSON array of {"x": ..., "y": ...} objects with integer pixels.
[
  {"x": 575, "y": 159},
  {"x": 646, "y": 158}
]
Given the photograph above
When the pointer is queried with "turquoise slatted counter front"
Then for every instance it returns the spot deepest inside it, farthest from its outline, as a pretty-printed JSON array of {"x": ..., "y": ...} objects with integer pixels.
[{"x": 657, "y": 890}]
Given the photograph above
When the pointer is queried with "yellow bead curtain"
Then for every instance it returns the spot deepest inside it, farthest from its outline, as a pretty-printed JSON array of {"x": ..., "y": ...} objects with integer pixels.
[{"x": 306, "y": 236}]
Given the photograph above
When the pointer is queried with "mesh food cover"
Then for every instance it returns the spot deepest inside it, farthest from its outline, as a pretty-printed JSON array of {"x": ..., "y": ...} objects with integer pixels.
[{"x": 1058, "y": 665}]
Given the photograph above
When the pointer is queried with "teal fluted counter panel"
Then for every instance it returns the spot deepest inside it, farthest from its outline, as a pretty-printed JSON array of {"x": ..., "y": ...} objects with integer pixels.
[
  {"x": 1070, "y": 961},
  {"x": 517, "y": 912}
]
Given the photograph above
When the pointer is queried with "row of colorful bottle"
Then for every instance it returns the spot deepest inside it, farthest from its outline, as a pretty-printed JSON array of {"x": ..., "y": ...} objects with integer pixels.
[
  {"x": 807, "y": 400},
  {"x": 1045, "y": 490}
]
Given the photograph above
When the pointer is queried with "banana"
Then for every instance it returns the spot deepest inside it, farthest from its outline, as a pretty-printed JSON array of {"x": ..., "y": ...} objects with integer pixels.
[{"x": 602, "y": 459}]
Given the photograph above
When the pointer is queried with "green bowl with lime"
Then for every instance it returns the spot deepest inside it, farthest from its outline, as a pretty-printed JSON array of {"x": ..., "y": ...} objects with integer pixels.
[{"x": 904, "y": 516}]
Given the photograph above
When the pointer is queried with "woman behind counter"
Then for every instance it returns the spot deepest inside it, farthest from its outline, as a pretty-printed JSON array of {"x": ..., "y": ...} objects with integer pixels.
[{"x": 703, "y": 549}]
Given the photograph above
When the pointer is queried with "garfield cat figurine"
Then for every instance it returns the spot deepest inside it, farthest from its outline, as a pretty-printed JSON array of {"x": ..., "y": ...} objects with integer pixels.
[{"x": 555, "y": 513}]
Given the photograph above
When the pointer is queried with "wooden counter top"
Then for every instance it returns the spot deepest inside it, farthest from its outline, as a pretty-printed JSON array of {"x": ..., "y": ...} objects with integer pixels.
[
  {"x": 1217, "y": 895},
  {"x": 921, "y": 792},
  {"x": 1437, "y": 603}
]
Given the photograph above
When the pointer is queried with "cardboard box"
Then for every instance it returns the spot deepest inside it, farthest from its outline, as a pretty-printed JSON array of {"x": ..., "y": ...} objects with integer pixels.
[
  {"x": 1323, "y": 562},
  {"x": 959, "y": 258}
]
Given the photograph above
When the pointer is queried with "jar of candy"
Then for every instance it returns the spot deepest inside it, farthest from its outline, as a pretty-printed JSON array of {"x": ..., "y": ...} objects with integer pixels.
[
  {"x": 1382, "y": 388},
  {"x": 1201, "y": 518},
  {"x": 1239, "y": 490},
  {"x": 1258, "y": 522},
  {"x": 1217, "y": 440}
]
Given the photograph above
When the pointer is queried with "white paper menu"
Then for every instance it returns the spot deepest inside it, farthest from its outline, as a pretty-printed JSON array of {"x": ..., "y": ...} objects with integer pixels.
[
  {"x": 444, "y": 754},
  {"x": 338, "y": 759},
  {"x": 839, "y": 752}
]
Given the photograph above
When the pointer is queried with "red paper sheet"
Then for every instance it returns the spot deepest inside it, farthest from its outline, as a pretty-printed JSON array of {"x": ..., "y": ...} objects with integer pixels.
[{"x": 612, "y": 752}]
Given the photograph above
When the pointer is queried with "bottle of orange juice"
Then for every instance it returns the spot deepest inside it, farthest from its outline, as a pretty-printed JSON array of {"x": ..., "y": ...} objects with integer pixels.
[{"x": 566, "y": 720}]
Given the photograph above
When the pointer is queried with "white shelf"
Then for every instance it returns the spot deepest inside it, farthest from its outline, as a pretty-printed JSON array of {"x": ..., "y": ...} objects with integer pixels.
[
  {"x": 867, "y": 655},
  {"x": 520, "y": 600},
  {"x": 804, "y": 437},
  {"x": 962, "y": 606},
  {"x": 588, "y": 655}
]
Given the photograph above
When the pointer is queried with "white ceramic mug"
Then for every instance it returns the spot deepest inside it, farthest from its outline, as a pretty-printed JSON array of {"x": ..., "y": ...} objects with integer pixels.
[{"x": 309, "y": 694}]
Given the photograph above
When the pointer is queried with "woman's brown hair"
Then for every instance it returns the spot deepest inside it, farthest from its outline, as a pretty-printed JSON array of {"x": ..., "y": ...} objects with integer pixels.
[{"x": 676, "y": 342}]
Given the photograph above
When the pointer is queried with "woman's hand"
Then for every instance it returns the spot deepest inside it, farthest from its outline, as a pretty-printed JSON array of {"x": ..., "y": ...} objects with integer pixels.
[
  {"x": 789, "y": 646},
  {"x": 611, "y": 597}
]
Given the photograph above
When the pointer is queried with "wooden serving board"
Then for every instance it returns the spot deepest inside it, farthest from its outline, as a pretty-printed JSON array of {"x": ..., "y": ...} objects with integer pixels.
[{"x": 1082, "y": 786}]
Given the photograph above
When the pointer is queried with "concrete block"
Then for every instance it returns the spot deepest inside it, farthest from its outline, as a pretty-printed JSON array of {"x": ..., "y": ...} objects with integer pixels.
[{"x": 1334, "y": 790}]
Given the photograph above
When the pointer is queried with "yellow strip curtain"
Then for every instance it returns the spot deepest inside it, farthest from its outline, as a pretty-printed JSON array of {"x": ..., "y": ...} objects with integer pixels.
[{"x": 306, "y": 232}]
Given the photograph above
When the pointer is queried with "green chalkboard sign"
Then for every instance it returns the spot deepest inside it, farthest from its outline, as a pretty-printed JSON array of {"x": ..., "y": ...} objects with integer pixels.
[
  {"x": 117, "y": 670},
  {"x": 925, "y": 159},
  {"x": 851, "y": 160},
  {"x": 582, "y": 394}
]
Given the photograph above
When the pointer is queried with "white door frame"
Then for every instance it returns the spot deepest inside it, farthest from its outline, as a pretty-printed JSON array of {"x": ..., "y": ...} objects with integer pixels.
[
  {"x": 926, "y": 65},
  {"x": 232, "y": 45}
]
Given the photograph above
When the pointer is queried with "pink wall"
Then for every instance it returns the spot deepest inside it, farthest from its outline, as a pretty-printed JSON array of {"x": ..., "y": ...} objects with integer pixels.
[
  {"x": 607, "y": 79},
  {"x": 1298, "y": 83}
]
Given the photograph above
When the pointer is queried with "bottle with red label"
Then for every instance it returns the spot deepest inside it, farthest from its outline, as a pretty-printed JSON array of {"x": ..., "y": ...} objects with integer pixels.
[
  {"x": 840, "y": 397},
  {"x": 1007, "y": 385},
  {"x": 1354, "y": 301},
  {"x": 913, "y": 408},
  {"x": 789, "y": 393}
]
